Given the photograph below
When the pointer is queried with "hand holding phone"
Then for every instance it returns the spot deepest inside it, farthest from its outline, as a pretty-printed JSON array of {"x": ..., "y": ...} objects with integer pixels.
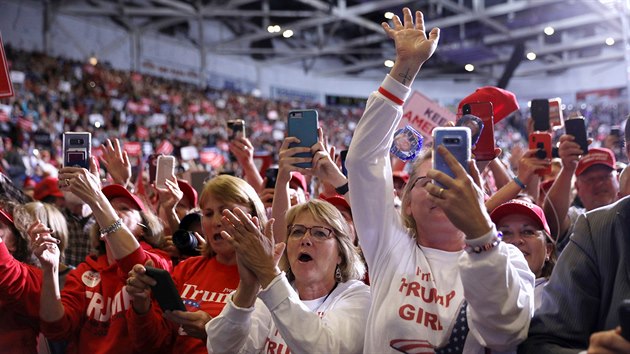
[
  {"x": 303, "y": 125},
  {"x": 165, "y": 169},
  {"x": 77, "y": 149},
  {"x": 541, "y": 141},
  {"x": 165, "y": 291},
  {"x": 457, "y": 141}
]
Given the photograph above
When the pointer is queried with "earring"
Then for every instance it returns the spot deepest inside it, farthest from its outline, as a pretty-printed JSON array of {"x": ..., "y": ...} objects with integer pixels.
[{"x": 338, "y": 278}]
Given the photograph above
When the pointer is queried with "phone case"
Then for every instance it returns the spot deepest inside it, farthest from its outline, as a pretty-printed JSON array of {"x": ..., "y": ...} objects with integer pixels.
[
  {"x": 556, "y": 119},
  {"x": 342, "y": 156},
  {"x": 540, "y": 114},
  {"x": 303, "y": 125},
  {"x": 624, "y": 319},
  {"x": 165, "y": 168},
  {"x": 165, "y": 291},
  {"x": 77, "y": 149},
  {"x": 484, "y": 149},
  {"x": 152, "y": 160},
  {"x": 542, "y": 142},
  {"x": 457, "y": 141},
  {"x": 577, "y": 128},
  {"x": 272, "y": 175}
]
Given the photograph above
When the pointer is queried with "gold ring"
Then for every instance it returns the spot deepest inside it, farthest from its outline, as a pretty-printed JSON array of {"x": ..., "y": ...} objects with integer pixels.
[
  {"x": 440, "y": 193},
  {"x": 67, "y": 182}
]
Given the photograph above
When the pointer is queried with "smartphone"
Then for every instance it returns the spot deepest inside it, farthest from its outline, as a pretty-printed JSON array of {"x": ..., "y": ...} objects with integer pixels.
[
  {"x": 540, "y": 114},
  {"x": 165, "y": 291},
  {"x": 577, "y": 128},
  {"x": 541, "y": 141},
  {"x": 77, "y": 149},
  {"x": 235, "y": 127},
  {"x": 342, "y": 156},
  {"x": 457, "y": 141},
  {"x": 624, "y": 319},
  {"x": 272, "y": 175},
  {"x": 165, "y": 169},
  {"x": 152, "y": 160},
  {"x": 303, "y": 125},
  {"x": 556, "y": 120},
  {"x": 484, "y": 148}
]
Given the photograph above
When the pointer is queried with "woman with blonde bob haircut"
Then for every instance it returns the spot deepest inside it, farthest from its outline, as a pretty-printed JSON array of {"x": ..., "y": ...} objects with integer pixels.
[
  {"x": 204, "y": 282},
  {"x": 320, "y": 306}
]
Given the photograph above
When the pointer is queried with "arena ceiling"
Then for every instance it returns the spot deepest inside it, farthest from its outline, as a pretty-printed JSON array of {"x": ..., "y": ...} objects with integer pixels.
[{"x": 493, "y": 35}]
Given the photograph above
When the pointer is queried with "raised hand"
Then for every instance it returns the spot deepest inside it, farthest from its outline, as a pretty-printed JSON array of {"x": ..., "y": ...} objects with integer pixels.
[
  {"x": 116, "y": 162},
  {"x": 44, "y": 245},
  {"x": 413, "y": 47},
  {"x": 193, "y": 323},
  {"x": 528, "y": 164},
  {"x": 324, "y": 167},
  {"x": 171, "y": 195}
]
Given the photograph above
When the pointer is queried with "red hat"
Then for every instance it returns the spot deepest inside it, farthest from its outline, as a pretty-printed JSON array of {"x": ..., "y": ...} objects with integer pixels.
[
  {"x": 518, "y": 206},
  {"x": 117, "y": 191},
  {"x": 404, "y": 176},
  {"x": 29, "y": 183},
  {"x": 6, "y": 218},
  {"x": 338, "y": 201},
  {"x": 189, "y": 192},
  {"x": 503, "y": 101},
  {"x": 596, "y": 156},
  {"x": 47, "y": 187},
  {"x": 299, "y": 178}
]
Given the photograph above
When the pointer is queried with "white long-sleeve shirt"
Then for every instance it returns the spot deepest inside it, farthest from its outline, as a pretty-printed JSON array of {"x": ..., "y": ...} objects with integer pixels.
[
  {"x": 279, "y": 322},
  {"x": 417, "y": 291}
]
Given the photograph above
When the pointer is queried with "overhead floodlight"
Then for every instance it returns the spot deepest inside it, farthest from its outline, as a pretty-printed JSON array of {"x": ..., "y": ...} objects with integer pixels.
[
  {"x": 610, "y": 41},
  {"x": 549, "y": 30},
  {"x": 277, "y": 29},
  {"x": 469, "y": 67},
  {"x": 389, "y": 15},
  {"x": 389, "y": 63},
  {"x": 531, "y": 56},
  {"x": 270, "y": 29},
  {"x": 287, "y": 34}
]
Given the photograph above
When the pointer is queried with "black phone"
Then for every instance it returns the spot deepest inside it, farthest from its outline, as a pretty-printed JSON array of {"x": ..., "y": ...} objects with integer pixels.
[
  {"x": 272, "y": 175},
  {"x": 540, "y": 114},
  {"x": 165, "y": 291},
  {"x": 624, "y": 319},
  {"x": 342, "y": 157},
  {"x": 577, "y": 128}
]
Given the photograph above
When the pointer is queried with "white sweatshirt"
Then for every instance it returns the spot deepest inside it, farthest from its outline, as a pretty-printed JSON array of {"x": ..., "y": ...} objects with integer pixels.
[
  {"x": 417, "y": 291},
  {"x": 281, "y": 323}
]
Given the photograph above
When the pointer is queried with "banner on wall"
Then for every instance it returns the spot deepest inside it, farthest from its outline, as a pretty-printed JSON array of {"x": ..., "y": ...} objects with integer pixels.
[
  {"x": 6, "y": 88},
  {"x": 424, "y": 114}
]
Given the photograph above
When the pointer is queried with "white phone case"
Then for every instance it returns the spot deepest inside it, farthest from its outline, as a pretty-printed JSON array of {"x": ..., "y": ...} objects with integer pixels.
[{"x": 165, "y": 168}]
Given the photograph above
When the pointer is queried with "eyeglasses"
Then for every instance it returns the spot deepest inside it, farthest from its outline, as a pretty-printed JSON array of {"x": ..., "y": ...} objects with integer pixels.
[
  {"x": 319, "y": 233},
  {"x": 527, "y": 234},
  {"x": 421, "y": 181}
]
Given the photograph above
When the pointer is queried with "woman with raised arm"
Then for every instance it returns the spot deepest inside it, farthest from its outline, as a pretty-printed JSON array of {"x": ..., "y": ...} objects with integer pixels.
[
  {"x": 319, "y": 306},
  {"x": 90, "y": 312},
  {"x": 441, "y": 279}
]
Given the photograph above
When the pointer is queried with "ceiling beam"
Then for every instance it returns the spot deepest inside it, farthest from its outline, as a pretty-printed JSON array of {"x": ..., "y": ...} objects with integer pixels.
[
  {"x": 570, "y": 63},
  {"x": 455, "y": 7}
]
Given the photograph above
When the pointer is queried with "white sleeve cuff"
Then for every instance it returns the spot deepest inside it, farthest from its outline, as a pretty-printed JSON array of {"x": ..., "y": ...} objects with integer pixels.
[{"x": 395, "y": 88}]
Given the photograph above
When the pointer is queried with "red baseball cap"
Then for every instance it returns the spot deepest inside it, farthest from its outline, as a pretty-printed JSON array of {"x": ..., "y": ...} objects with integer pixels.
[
  {"x": 404, "y": 176},
  {"x": 189, "y": 192},
  {"x": 117, "y": 191},
  {"x": 47, "y": 187},
  {"x": 299, "y": 178},
  {"x": 596, "y": 156},
  {"x": 338, "y": 201},
  {"x": 503, "y": 101},
  {"x": 6, "y": 218},
  {"x": 517, "y": 206}
]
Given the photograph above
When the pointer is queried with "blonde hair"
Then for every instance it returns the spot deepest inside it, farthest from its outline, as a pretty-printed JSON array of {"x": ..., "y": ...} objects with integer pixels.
[
  {"x": 408, "y": 221},
  {"x": 232, "y": 190},
  {"x": 27, "y": 214},
  {"x": 351, "y": 266}
]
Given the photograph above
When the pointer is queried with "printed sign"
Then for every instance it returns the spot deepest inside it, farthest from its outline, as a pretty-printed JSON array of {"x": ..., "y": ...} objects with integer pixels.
[
  {"x": 424, "y": 114},
  {"x": 6, "y": 88}
]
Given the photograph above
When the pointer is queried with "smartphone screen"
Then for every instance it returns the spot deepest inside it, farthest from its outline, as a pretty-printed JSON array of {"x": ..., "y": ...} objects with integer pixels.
[
  {"x": 77, "y": 149},
  {"x": 236, "y": 127},
  {"x": 272, "y": 175},
  {"x": 540, "y": 114},
  {"x": 303, "y": 125},
  {"x": 457, "y": 141},
  {"x": 577, "y": 128},
  {"x": 484, "y": 149},
  {"x": 165, "y": 169}
]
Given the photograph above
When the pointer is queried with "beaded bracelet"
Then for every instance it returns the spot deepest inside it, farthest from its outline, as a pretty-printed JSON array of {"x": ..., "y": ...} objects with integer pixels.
[
  {"x": 111, "y": 228},
  {"x": 485, "y": 247}
]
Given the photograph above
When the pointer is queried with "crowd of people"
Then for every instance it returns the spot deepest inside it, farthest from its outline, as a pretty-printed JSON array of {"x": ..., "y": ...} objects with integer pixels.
[{"x": 362, "y": 255}]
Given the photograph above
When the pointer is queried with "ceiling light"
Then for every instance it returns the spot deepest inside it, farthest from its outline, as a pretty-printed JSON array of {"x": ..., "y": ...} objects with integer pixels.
[
  {"x": 93, "y": 61},
  {"x": 287, "y": 34},
  {"x": 273, "y": 29},
  {"x": 277, "y": 28},
  {"x": 389, "y": 63},
  {"x": 610, "y": 41},
  {"x": 469, "y": 67},
  {"x": 531, "y": 56},
  {"x": 389, "y": 15},
  {"x": 270, "y": 29},
  {"x": 549, "y": 30}
]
